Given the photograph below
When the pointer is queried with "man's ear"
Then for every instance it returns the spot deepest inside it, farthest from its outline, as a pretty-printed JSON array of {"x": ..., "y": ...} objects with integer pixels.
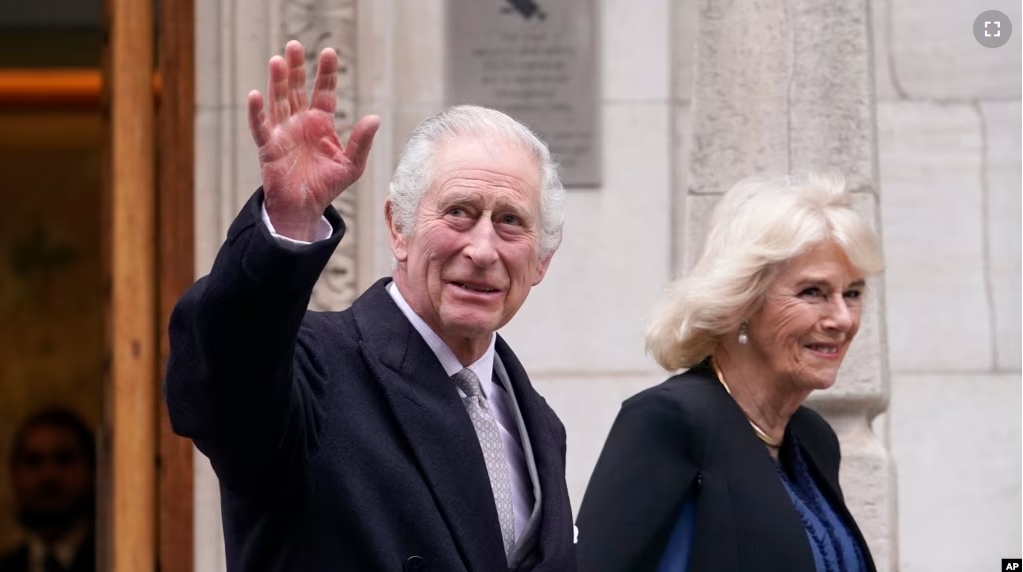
[
  {"x": 399, "y": 242},
  {"x": 541, "y": 269}
]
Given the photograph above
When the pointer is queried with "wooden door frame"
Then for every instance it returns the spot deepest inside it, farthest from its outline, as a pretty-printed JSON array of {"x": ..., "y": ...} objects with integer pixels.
[
  {"x": 147, "y": 497},
  {"x": 150, "y": 242},
  {"x": 128, "y": 527},
  {"x": 176, "y": 264}
]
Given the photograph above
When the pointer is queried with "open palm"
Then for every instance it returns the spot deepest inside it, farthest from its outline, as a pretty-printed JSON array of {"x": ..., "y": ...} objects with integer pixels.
[{"x": 303, "y": 164}]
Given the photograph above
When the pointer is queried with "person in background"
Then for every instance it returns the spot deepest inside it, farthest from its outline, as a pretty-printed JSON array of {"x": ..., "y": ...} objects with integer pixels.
[
  {"x": 53, "y": 468},
  {"x": 722, "y": 468}
]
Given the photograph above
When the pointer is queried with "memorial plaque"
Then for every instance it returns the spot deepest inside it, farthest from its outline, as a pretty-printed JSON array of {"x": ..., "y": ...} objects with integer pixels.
[{"x": 535, "y": 60}]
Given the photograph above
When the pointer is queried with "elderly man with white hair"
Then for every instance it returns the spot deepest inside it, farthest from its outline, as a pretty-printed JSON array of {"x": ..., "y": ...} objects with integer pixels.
[{"x": 402, "y": 433}]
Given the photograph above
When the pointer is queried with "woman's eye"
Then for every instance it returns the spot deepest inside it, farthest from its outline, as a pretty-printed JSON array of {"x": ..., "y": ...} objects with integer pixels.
[{"x": 811, "y": 292}]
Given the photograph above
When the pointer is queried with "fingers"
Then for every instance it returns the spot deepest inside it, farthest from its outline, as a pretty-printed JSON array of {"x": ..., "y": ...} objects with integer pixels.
[
  {"x": 361, "y": 140},
  {"x": 325, "y": 86},
  {"x": 257, "y": 119},
  {"x": 277, "y": 90},
  {"x": 294, "y": 53}
]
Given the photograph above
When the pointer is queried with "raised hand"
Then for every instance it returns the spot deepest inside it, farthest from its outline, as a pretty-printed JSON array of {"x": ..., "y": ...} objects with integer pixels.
[{"x": 303, "y": 164}]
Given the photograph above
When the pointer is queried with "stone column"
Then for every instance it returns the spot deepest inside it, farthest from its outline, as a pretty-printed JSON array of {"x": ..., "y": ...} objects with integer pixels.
[
  {"x": 401, "y": 79},
  {"x": 787, "y": 86},
  {"x": 234, "y": 40},
  {"x": 319, "y": 24},
  {"x": 949, "y": 143}
]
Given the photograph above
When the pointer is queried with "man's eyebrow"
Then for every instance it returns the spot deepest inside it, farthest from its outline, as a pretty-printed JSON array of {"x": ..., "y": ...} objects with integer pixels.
[{"x": 459, "y": 196}]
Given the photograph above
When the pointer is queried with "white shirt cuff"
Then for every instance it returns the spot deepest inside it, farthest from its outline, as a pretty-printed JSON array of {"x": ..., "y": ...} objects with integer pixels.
[{"x": 322, "y": 233}]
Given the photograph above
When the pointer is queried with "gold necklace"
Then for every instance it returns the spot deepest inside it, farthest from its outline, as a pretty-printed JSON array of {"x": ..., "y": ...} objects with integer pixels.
[{"x": 760, "y": 433}]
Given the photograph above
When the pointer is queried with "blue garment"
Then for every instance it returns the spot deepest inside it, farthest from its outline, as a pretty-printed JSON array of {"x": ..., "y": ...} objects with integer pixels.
[
  {"x": 676, "y": 555},
  {"x": 834, "y": 548}
]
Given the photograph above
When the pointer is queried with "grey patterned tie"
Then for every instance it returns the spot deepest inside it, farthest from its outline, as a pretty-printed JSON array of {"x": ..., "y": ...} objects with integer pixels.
[{"x": 493, "y": 452}]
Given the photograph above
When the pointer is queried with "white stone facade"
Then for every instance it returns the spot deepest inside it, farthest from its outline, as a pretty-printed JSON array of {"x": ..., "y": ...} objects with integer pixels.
[
  {"x": 948, "y": 116},
  {"x": 941, "y": 173}
]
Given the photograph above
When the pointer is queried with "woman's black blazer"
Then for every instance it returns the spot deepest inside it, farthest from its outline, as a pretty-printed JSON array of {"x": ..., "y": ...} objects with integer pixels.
[{"x": 687, "y": 436}]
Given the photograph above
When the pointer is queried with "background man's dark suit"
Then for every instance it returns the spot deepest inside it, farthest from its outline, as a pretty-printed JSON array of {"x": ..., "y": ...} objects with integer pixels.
[
  {"x": 18, "y": 560},
  {"x": 687, "y": 436},
  {"x": 340, "y": 442}
]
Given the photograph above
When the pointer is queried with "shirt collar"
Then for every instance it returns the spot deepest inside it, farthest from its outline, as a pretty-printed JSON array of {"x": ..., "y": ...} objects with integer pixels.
[
  {"x": 64, "y": 549},
  {"x": 483, "y": 367}
]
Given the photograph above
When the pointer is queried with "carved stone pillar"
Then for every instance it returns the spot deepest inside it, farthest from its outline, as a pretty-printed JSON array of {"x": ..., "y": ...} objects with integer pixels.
[
  {"x": 320, "y": 24},
  {"x": 234, "y": 40},
  {"x": 787, "y": 86}
]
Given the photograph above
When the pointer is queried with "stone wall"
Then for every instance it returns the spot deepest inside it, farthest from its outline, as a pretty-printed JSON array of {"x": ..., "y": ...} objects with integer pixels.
[
  {"x": 949, "y": 140},
  {"x": 942, "y": 170}
]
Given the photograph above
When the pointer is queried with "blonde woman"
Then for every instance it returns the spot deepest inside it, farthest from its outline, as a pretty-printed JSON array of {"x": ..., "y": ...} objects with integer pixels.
[{"x": 721, "y": 468}]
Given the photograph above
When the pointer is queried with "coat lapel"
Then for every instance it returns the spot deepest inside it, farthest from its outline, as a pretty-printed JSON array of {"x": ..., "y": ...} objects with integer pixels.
[
  {"x": 435, "y": 425},
  {"x": 763, "y": 512},
  {"x": 830, "y": 488},
  {"x": 556, "y": 523},
  {"x": 530, "y": 535}
]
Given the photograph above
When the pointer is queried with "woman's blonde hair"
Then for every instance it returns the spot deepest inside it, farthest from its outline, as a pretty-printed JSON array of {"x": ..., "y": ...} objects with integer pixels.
[{"x": 758, "y": 225}]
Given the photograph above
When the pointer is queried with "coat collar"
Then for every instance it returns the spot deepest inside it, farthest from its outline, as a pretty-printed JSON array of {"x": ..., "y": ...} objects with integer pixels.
[
  {"x": 547, "y": 446},
  {"x": 436, "y": 426},
  {"x": 441, "y": 437},
  {"x": 812, "y": 433}
]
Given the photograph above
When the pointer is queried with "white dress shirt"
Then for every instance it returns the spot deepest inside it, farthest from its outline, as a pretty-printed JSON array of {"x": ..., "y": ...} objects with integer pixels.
[
  {"x": 522, "y": 487},
  {"x": 322, "y": 233},
  {"x": 64, "y": 550}
]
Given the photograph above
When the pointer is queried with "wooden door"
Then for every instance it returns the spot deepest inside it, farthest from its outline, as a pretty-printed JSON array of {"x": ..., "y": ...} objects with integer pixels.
[{"x": 149, "y": 507}]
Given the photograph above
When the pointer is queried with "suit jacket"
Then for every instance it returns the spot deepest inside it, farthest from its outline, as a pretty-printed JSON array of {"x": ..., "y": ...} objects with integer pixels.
[
  {"x": 688, "y": 438},
  {"x": 340, "y": 442}
]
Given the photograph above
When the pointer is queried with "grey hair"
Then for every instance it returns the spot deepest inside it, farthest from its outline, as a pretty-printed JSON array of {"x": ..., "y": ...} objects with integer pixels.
[
  {"x": 758, "y": 225},
  {"x": 414, "y": 173}
]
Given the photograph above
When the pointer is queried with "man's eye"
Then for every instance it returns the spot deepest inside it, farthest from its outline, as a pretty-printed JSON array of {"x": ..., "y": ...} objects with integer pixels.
[
  {"x": 853, "y": 294},
  {"x": 456, "y": 212},
  {"x": 510, "y": 219}
]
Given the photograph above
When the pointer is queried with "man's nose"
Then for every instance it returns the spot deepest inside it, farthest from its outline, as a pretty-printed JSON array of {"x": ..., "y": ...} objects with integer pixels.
[{"x": 482, "y": 247}]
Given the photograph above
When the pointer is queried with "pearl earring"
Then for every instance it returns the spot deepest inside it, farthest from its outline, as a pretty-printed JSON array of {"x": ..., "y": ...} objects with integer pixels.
[{"x": 743, "y": 336}]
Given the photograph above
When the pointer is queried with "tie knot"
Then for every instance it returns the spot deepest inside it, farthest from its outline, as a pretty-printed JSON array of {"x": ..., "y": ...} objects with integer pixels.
[{"x": 467, "y": 381}]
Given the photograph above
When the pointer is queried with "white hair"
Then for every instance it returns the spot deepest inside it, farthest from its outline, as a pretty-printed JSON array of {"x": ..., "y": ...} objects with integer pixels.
[
  {"x": 758, "y": 225},
  {"x": 414, "y": 173}
]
